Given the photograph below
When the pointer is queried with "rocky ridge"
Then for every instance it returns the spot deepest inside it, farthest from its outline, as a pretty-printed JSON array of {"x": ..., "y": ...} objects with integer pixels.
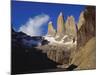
[
  {"x": 85, "y": 55},
  {"x": 81, "y": 33}
]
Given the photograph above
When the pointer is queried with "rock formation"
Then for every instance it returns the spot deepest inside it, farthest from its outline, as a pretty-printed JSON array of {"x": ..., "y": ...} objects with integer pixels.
[
  {"x": 85, "y": 55},
  {"x": 51, "y": 30},
  {"x": 82, "y": 56},
  {"x": 60, "y": 25},
  {"x": 81, "y": 20},
  {"x": 87, "y": 30},
  {"x": 71, "y": 27},
  {"x": 57, "y": 53},
  {"x": 68, "y": 28}
]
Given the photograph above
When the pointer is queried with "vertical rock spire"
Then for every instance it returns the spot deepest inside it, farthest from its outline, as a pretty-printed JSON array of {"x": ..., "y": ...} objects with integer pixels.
[
  {"x": 60, "y": 24},
  {"x": 51, "y": 30},
  {"x": 70, "y": 26},
  {"x": 81, "y": 20}
]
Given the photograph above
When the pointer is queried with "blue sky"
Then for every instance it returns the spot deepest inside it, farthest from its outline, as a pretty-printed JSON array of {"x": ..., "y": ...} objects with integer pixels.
[{"x": 24, "y": 13}]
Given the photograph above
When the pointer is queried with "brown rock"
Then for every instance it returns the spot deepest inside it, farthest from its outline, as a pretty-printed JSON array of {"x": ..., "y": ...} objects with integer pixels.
[
  {"x": 87, "y": 30},
  {"x": 81, "y": 20},
  {"x": 70, "y": 26},
  {"x": 85, "y": 58},
  {"x": 57, "y": 53},
  {"x": 51, "y": 30},
  {"x": 60, "y": 25}
]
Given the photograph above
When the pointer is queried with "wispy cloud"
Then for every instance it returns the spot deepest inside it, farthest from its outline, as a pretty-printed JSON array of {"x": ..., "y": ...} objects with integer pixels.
[{"x": 33, "y": 25}]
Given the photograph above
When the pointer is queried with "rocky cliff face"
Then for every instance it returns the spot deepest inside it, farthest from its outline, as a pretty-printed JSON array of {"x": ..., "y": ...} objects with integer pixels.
[
  {"x": 60, "y": 25},
  {"x": 61, "y": 53},
  {"x": 87, "y": 29},
  {"x": 85, "y": 55},
  {"x": 70, "y": 26},
  {"x": 51, "y": 30},
  {"x": 81, "y": 20},
  {"x": 57, "y": 53},
  {"x": 84, "y": 31}
]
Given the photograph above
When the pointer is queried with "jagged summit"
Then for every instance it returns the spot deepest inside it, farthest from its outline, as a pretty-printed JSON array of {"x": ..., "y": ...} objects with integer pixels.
[
  {"x": 63, "y": 28},
  {"x": 72, "y": 16},
  {"x": 60, "y": 25},
  {"x": 50, "y": 22},
  {"x": 70, "y": 26},
  {"x": 51, "y": 30},
  {"x": 81, "y": 20},
  {"x": 60, "y": 14}
]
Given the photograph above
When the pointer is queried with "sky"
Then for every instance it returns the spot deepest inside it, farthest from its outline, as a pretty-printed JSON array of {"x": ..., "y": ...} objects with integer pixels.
[{"x": 32, "y": 17}]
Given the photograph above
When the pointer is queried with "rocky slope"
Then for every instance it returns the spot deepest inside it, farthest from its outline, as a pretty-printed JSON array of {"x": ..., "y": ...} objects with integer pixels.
[
  {"x": 85, "y": 58},
  {"x": 88, "y": 28},
  {"x": 85, "y": 55}
]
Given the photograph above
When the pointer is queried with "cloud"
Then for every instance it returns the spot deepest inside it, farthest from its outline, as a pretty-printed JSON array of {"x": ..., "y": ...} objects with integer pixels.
[{"x": 33, "y": 26}]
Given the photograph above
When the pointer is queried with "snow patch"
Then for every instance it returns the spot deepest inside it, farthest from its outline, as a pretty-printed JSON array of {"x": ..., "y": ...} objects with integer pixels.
[{"x": 53, "y": 41}]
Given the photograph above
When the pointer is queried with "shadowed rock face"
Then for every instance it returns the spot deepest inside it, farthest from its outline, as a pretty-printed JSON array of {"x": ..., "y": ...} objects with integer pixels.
[
  {"x": 85, "y": 55},
  {"x": 88, "y": 28},
  {"x": 60, "y": 25},
  {"x": 28, "y": 59},
  {"x": 81, "y": 20},
  {"x": 51, "y": 30}
]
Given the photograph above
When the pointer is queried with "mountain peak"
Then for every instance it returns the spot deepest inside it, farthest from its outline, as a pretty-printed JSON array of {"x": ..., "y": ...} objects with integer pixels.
[
  {"x": 81, "y": 20},
  {"x": 60, "y": 25},
  {"x": 60, "y": 14},
  {"x": 50, "y": 22},
  {"x": 71, "y": 16},
  {"x": 70, "y": 26},
  {"x": 51, "y": 30}
]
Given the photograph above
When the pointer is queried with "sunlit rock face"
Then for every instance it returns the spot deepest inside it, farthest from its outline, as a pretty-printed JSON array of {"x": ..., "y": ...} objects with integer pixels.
[
  {"x": 66, "y": 31},
  {"x": 70, "y": 26},
  {"x": 81, "y": 20},
  {"x": 60, "y": 25},
  {"x": 51, "y": 30},
  {"x": 61, "y": 44}
]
